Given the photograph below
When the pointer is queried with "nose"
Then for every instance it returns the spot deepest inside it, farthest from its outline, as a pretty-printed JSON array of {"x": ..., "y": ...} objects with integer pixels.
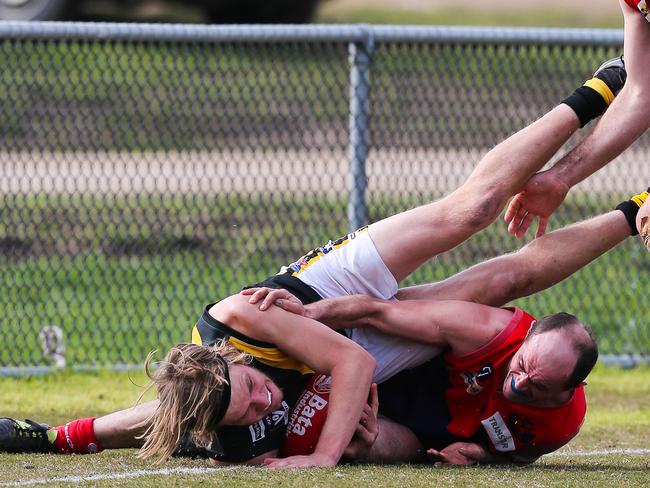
[
  {"x": 519, "y": 383},
  {"x": 260, "y": 399}
]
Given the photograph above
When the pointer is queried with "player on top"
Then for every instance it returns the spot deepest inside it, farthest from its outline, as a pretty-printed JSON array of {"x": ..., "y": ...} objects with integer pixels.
[{"x": 206, "y": 390}]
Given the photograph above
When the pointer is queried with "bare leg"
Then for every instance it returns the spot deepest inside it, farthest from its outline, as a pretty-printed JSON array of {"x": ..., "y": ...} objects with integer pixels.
[
  {"x": 118, "y": 430},
  {"x": 407, "y": 240}
]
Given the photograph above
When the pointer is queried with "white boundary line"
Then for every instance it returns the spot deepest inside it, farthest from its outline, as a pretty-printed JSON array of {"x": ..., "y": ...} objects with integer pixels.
[
  {"x": 116, "y": 476},
  {"x": 198, "y": 470},
  {"x": 599, "y": 452}
]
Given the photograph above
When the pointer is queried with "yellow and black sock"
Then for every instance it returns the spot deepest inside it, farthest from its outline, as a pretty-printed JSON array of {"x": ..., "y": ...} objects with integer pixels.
[
  {"x": 631, "y": 207},
  {"x": 590, "y": 100}
]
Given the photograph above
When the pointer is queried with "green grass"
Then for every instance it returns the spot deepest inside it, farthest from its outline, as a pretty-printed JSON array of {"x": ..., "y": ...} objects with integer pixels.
[
  {"x": 476, "y": 16},
  {"x": 618, "y": 417}
]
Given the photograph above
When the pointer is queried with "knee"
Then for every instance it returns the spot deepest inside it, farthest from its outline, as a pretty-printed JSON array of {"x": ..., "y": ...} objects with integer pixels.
[{"x": 483, "y": 206}]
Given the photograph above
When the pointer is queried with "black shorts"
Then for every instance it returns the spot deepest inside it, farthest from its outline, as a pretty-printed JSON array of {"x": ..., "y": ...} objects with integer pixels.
[{"x": 415, "y": 398}]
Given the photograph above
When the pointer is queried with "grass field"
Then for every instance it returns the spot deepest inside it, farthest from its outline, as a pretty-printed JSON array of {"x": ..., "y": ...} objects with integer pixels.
[
  {"x": 552, "y": 13},
  {"x": 611, "y": 450}
]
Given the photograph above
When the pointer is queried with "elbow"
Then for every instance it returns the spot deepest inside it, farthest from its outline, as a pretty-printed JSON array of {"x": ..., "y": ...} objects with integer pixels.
[
  {"x": 365, "y": 363},
  {"x": 515, "y": 281}
]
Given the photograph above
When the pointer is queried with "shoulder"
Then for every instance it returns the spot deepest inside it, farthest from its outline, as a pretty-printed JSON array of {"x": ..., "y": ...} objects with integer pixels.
[
  {"x": 239, "y": 315},
  {"x": 474, "y": 326}
]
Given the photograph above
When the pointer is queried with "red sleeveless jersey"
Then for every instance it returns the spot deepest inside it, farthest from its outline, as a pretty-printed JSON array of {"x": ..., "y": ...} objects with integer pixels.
[{"x": 476, "y": 401}]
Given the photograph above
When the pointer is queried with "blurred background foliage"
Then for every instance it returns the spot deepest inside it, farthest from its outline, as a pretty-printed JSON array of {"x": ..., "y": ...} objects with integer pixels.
[{"x": 551, "y": 13}]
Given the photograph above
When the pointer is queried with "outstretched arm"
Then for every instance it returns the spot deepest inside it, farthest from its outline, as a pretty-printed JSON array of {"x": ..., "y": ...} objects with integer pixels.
[
  {"x": 460, "y": 326},
  {"x": 537, "y": 266}
]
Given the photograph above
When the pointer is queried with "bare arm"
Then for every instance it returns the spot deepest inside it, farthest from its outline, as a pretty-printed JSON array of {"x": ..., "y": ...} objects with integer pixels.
[
  {"x": 461, "y": 326},
  {"x": 625, "y": 120},
  {"x": 323, "y": 350},
  {"x": 537, "y": 266},
  {"x": 468, "y": 453}
]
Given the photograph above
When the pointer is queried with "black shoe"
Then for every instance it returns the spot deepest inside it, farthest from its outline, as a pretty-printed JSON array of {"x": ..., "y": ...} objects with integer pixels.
[
  {"x": 612, "y": 73},
  {"x": 27, "y": 436}
]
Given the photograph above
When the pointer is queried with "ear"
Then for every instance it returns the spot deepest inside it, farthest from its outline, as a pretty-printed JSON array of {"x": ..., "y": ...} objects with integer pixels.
[{"x": 530, "y": 328}]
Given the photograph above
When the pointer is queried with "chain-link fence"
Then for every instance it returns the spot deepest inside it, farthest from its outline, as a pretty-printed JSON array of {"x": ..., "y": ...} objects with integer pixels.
[{"x": 149, "y": 170}]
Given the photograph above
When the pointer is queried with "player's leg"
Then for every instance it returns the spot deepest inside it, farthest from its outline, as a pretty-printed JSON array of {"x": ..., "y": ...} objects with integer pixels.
[
  {"x": 118, "y": 430},
  {"x": 429, "y": 230},
  {"x": 407, "y": 240},
  {"x": 124, "y": 428}
]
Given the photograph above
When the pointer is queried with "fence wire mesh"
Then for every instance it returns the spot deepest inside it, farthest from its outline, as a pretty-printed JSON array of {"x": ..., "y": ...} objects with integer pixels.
[{"x": 142, "y": 179}]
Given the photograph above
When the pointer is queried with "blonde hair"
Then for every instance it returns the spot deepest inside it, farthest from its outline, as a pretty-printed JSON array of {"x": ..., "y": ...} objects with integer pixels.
[{"x": 190, "y": 382}]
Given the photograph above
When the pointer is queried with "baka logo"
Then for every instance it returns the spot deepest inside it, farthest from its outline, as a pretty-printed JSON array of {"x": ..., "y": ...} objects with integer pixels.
[
  {"x": 474, "y": 380},
  {"x": 522, "y": 428},
  {"x": 322, "y": 384}
]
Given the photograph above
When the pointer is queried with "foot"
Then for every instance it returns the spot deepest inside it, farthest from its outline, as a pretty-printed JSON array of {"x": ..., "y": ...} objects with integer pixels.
[
  {"x": 27, "y": 436},
  {"x": 612, "y": 73}
]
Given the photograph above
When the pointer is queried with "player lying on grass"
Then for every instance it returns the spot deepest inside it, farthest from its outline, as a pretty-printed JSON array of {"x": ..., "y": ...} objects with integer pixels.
[
  {"x": 626, "y": 120},
  {"x": 245, "y": 387},
  {"x": 510, "y": 388}
]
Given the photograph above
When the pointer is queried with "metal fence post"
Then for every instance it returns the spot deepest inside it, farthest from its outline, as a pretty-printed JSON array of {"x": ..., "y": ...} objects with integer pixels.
[{"x": 360, "y": 55}]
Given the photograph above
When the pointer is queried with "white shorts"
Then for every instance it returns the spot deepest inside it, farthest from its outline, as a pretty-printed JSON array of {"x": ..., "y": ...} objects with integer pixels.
[{"x": 352, "y": 266}]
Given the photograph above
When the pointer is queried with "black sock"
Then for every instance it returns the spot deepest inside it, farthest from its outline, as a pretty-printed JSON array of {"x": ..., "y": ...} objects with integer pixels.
[{"x": 587, "y": 103}]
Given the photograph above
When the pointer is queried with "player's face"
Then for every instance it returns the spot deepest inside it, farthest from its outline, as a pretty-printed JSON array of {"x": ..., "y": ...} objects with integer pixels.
[
  {"x": 253, "y": 396},
  {"x": 540, "y": 369}
]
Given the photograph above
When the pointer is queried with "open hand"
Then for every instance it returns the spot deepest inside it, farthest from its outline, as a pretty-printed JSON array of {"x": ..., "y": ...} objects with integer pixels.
[
  {"x": 272, "y": 296},
  {"x": 541, "y": 196},
  {"x": 460, "y": 454},
  {"x": 313, "y": 460}
]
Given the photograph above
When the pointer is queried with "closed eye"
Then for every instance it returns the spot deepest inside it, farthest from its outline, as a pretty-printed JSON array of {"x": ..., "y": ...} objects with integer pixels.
[
  {"x": 534, "y": 383},
  {"x": 249, "y": 389}
]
